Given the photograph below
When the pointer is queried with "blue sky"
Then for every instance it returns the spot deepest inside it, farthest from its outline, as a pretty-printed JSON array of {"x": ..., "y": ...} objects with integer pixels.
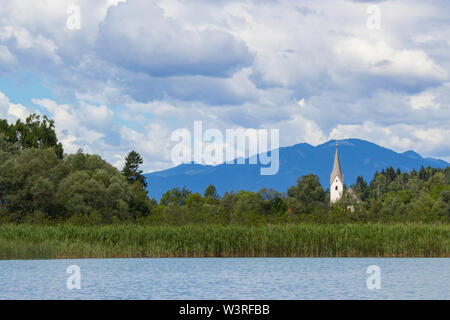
[{"x": 136, "y": 70}]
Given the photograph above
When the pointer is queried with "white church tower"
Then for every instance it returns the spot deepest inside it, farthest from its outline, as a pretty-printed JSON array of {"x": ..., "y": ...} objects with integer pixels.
[{"x": 336, "y": 179}]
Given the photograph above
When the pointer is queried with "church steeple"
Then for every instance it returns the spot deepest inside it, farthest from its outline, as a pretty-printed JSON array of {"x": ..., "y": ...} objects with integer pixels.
[
  {"x": 336, "y": 179},
  {"x": 336, "y": 167}
]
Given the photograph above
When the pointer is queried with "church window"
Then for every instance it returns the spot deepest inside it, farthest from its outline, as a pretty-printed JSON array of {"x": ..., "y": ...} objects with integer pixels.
[{"x": 336, "y": 187}]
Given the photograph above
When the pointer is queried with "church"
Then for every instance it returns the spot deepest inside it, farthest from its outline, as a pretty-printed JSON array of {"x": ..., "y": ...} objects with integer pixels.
[
  {"x": 337, "y": 184},
  {"x": 336, "y": 179}
]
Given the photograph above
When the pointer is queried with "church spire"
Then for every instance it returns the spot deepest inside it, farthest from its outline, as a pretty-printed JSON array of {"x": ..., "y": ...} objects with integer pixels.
[{"x": 336, "y": 168}]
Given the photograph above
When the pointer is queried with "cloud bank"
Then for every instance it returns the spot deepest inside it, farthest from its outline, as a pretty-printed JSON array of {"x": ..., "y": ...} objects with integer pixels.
[{"x": 136, "y": 70}]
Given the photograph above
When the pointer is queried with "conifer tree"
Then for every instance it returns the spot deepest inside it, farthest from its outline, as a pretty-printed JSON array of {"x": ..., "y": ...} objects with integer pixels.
[{"x": 131, "y": 169}]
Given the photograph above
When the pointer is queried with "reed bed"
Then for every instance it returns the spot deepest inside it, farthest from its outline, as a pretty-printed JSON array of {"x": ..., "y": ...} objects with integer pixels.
[{"x": 126, "y": 241}]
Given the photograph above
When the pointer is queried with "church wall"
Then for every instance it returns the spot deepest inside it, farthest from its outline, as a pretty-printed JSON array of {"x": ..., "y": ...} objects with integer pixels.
[{"x": 336, "y": 194}]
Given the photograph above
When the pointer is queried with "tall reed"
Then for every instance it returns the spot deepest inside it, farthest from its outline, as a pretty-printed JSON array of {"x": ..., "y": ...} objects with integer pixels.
[{"x": 342, "y": 240}]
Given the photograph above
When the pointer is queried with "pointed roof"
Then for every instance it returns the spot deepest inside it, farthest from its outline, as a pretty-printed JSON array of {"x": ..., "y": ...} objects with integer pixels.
[{"x": 336, "y": 168}]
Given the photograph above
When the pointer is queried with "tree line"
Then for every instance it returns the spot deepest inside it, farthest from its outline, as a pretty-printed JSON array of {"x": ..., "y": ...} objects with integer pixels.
[{"x": 41, "y": 184}]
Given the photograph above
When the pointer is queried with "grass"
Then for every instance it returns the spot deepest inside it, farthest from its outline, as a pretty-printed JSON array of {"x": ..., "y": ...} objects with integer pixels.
[{"x": 126, "y": 241}]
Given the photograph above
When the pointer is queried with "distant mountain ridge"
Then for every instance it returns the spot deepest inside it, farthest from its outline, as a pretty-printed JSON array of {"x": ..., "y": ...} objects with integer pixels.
[{"x": 358, "y": 158}]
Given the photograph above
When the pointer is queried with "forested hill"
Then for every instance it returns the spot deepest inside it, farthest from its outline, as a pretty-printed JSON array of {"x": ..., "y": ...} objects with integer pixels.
[{"x": 358, "y": 158}]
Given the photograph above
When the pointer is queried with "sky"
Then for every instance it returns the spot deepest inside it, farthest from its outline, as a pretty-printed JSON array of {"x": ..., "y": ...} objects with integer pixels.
[{"x": 123, "y": 75}]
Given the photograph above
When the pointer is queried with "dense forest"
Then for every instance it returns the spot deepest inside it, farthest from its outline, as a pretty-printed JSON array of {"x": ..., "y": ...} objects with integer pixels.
[{"x": 40, "y": 184}]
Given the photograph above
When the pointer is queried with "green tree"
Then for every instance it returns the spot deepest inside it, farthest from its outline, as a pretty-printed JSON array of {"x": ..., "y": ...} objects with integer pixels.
[
  {"x": 37, "y": 133},
  {"x": 175, "y": 195},
  {"x": 308, "y": 192},
  {"x": 445, "y": 196},
  {"x": 140, "y": 204},
  {"x": 29, "y": 182},
  {"x": 131, "y": 169},
  {"x": 379, "y": 185},
  {"x": 273, "y": 201},
  {"x": 211, "y": 192},
  {"x": 361, "y": 188}
]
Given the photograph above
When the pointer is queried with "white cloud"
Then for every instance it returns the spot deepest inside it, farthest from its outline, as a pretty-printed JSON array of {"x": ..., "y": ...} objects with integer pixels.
[
  {"x": 7, "y": 60},
  {"x": 422, "y": 101},
  {"x": 160, "y": 46},
  {"x": 10, "y": 111},
  {"x": 17, "y": 111},
  {"x": 378, "y": 58},
  {"x": 73, "y": 132},
  {"x": 401, "y": 137},
  {"x": 91, "y": 127},
  {"x": 137, "y": 70}
]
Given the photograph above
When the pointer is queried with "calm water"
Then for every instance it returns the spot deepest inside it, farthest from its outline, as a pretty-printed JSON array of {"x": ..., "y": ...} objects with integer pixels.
[{"x": 252, "y": 278}]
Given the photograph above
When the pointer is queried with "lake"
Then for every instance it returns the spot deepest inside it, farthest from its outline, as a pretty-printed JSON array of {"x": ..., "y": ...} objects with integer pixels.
[{"x": 227, "y": 278}]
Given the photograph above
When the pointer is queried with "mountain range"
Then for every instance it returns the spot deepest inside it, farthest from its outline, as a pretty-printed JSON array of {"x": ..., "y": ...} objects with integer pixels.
[{"x": 357, "y": 157}]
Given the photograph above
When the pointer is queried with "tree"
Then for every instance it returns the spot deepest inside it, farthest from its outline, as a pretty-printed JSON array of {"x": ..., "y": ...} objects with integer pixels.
[
  {"x": 33, "y": 133},
  {"x": 176, "y": 195},
  {"x": 211, "y": 192},
  {"x": 378, "y": 185},
  {"x": 29, "y": 182},
  {"x": 273, "y": 201},
  {"x": 361, "y": 188},
  {"x": 140, "y": 204},
  {"x": 131, "y": 169},
  {"x": 306, "y": 194},
  {"x": 37, "y": 133}
]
